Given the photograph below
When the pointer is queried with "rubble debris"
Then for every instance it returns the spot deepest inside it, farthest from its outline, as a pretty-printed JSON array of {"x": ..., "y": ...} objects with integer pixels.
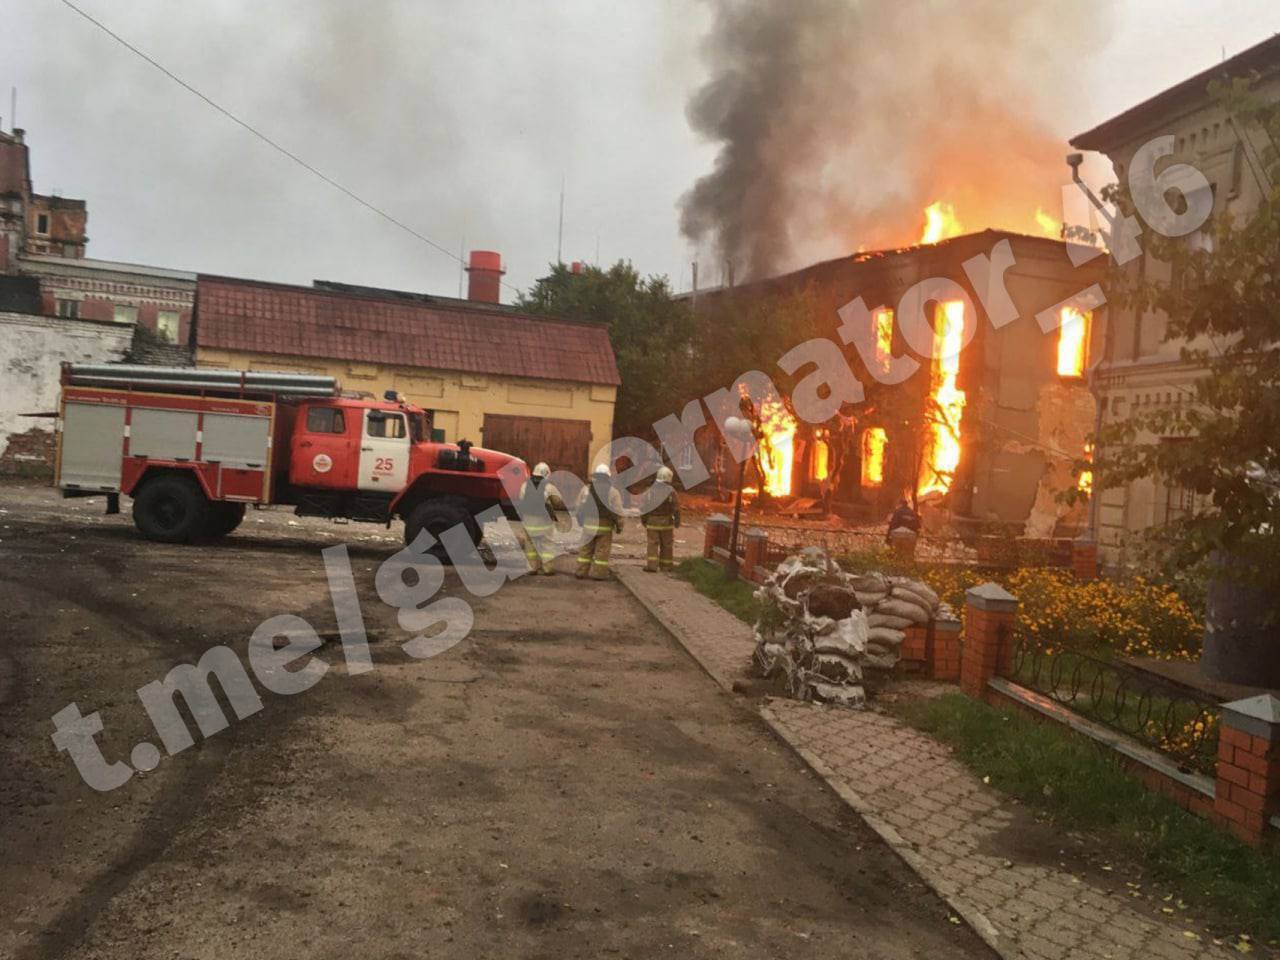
[{"x": 820, "y": 627}]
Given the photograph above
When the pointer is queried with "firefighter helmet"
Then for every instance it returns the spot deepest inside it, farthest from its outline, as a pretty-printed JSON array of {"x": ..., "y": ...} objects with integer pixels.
[
  {"x": 602, "y": 470},
  {"x": 541, "y": 470},
  {"x": 665, "y": 475}
]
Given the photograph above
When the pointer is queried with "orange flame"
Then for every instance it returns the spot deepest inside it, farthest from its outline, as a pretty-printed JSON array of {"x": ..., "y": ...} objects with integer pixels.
[
  {"x": 1085, "y": 481},
  {"x": 940, "y": 222},
  {"x": 884, "y": 338},
  {"x": 874, "y": 442},
  {"x": 777, "y": 447},
  {"x": 821, "y": 458},
  {"x": 1048, "y": 225},
  {"x": 942, "y": 455},
  {"x": 1073, "y": 341}
]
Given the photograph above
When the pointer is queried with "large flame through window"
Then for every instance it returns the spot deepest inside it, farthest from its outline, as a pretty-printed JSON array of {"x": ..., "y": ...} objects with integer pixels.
[
  {"x": 883, "y": 320},
  {"x": 874, "y": 442},
  {"x": 946, "y": 401},
  {"x": 821, "y": 460},
  {"x": 777, "y": 447},
  {"x": 1073, "y": 341}
]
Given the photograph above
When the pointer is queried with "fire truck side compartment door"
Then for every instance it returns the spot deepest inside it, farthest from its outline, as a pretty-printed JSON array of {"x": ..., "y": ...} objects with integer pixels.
[
  {"x": 92, "y": 446},
  {"x": 163, "y": 434},
  {"x": 384, "y": 452},
  {"x": 236, "y": 440}
]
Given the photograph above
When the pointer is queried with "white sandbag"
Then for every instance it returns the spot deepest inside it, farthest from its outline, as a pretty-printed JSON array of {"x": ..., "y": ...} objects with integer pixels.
[
  {"x": 870, "y": 583},
  {"x": 847, "y": 695},
  {"x": 849, "y": 637},
  {"x": 890, "y": 640},
  {"x": 870, "y": 599},
  {"x": 914, "y": 612},
  {"x": 833, "y": 668},
  {"x": 880, "y": 661},
  {"x": 817, "y": 626},
  {"x": 879, "y": 619},
  {"x": 917, "y": 590},
  {"x": 884, "y": 635}
]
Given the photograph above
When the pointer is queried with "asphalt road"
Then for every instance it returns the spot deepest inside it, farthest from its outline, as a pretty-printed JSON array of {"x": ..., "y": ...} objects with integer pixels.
[{"x": 564, "y": 782}]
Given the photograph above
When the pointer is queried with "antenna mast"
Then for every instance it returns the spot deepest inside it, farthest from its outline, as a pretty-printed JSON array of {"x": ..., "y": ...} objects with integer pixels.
[{"x": 560, "y": 229}]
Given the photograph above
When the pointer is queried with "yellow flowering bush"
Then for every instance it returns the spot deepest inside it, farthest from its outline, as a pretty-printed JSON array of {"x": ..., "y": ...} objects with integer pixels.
[{"x": 1132, "y": 618}]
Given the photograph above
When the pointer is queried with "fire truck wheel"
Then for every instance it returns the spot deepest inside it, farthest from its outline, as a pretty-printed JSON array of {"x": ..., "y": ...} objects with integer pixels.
[
  {"x": 223, "y": 518},
  {"x": 437, "y": 516},
  {"x": 171, "y": 509}
]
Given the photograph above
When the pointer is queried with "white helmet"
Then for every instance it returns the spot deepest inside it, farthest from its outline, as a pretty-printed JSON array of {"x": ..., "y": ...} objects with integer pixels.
[
  {"x": 541, "y": 470},
  {"x": 602, "y": 470},
  {"x": 665, "y": 475}
]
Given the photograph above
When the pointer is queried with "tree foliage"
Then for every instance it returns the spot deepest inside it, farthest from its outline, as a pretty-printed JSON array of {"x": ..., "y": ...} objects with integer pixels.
[
  {"x": 651, "y": 332},
  {"x": 1223, "y": 440}
]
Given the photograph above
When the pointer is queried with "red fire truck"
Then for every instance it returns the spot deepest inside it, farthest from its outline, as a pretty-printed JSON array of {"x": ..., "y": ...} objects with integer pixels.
[{"x": 194, "y": 447}]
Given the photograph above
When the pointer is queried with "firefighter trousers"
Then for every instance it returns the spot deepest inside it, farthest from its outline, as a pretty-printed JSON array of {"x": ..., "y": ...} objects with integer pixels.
[
  {"x": 593, "y": 558},
  {"x": 539, "y": 549},
  {"x": 660, "y": 554}
]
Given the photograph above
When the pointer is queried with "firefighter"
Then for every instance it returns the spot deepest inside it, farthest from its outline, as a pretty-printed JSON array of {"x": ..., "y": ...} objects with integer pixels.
[
  {"x": 538, "y": 501},
  {"x": 593, "y": 558},
  {"x": 903, "y": 518},
  {"x": 660, "y": 524},
  {"x": 904, "y": 530}
]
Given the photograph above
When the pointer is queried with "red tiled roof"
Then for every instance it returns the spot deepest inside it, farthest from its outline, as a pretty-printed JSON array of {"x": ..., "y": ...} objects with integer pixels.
[{"x": 256, "y": 317}]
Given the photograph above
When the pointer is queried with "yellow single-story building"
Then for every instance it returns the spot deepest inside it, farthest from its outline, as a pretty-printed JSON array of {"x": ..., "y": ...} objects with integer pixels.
[{"x": 539, "y": 388}]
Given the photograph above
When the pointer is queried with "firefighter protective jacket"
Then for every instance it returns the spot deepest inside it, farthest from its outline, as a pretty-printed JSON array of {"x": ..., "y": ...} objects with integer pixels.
[
  {"x": 665, "y": 516},
  {"x": 536, "y": 498},
  {"x": 608, "y": 509}
]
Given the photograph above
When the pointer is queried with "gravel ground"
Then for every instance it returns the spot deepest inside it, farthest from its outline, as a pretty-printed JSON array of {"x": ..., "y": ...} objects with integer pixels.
[{"x": 562, "y": 783}]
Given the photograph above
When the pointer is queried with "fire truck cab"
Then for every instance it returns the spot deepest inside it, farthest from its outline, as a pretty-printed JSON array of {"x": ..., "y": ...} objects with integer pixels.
[{"x": 194, "y": 448}]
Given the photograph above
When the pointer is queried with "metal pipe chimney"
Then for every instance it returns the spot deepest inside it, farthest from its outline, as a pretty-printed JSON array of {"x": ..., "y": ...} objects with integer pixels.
[{"x": 484, "y": 276}]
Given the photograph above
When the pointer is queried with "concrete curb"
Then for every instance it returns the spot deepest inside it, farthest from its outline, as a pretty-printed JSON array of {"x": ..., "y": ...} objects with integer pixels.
[
  {"x": 673, "y": 628},
  {"x": 966, "y": 911}
]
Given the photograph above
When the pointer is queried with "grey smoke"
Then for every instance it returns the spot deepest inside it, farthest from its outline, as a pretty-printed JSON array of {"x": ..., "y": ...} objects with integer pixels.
[{"x": 838, "y": 121}]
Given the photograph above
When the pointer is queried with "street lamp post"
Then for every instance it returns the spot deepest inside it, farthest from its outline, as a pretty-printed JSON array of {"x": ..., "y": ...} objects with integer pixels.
[{"x": 741, "y": 441}]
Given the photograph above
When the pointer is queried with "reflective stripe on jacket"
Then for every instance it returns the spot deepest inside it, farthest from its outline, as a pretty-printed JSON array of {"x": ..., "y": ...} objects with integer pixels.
[{"x": 608, "y": 509}]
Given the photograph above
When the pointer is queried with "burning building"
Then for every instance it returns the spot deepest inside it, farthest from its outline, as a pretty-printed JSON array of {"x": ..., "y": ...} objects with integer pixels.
[{"x": 989, "y": 426}]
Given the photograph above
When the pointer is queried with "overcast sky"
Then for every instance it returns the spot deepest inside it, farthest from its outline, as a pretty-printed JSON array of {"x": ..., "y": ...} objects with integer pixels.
[{"x": 461, "y": 119}]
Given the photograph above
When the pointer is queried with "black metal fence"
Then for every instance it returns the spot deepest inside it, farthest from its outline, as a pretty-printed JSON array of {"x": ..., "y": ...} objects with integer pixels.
[{"x": 1162, "y": 715}]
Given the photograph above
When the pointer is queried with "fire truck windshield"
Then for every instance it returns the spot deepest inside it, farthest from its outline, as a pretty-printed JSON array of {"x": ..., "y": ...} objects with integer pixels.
[{"x": 418, "y": 427}]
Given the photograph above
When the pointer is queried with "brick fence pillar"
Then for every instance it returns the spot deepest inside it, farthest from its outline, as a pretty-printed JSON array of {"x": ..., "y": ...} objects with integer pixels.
[
  {"x": 714, "y": 530},
  {"x": 946, "y": 652},
  {"x": 1247, "y": 791},
  {"x": 755, "y": 541},
  {"x": 989, "y": 616},
  {"x": 1084, "y": 558}
]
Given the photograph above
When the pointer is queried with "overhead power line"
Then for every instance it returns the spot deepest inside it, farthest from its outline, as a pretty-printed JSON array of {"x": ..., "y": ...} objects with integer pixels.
[{"x": 279, "y": 148}]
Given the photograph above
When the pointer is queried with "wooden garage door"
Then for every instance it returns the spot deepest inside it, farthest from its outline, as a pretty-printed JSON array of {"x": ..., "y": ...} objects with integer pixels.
[{"x": 563, "y": 444}]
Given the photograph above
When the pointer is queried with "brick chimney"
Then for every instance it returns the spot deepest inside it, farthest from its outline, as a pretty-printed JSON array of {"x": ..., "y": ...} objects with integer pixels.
[{"x": 484, "y": 276}]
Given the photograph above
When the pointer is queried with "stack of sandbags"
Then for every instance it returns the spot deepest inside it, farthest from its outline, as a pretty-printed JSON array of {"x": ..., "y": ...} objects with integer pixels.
[
  {"x": 821, "y": 627},
  {"x": 812, "y": 632},
  {"x": 893, "y": 604}
]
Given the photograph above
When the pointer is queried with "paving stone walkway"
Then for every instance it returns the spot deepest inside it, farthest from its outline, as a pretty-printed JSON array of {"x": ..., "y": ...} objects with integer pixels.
[{"x": 979, "y": 851}]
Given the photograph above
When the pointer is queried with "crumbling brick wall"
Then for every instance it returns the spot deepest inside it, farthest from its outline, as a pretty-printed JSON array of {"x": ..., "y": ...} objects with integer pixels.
[
  {"x": 29, "y": 454},
  {"x": 32, "y": 349}
]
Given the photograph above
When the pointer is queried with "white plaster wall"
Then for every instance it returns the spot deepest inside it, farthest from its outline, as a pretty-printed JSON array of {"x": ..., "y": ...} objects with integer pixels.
[{"x": 31, "y": 351}]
